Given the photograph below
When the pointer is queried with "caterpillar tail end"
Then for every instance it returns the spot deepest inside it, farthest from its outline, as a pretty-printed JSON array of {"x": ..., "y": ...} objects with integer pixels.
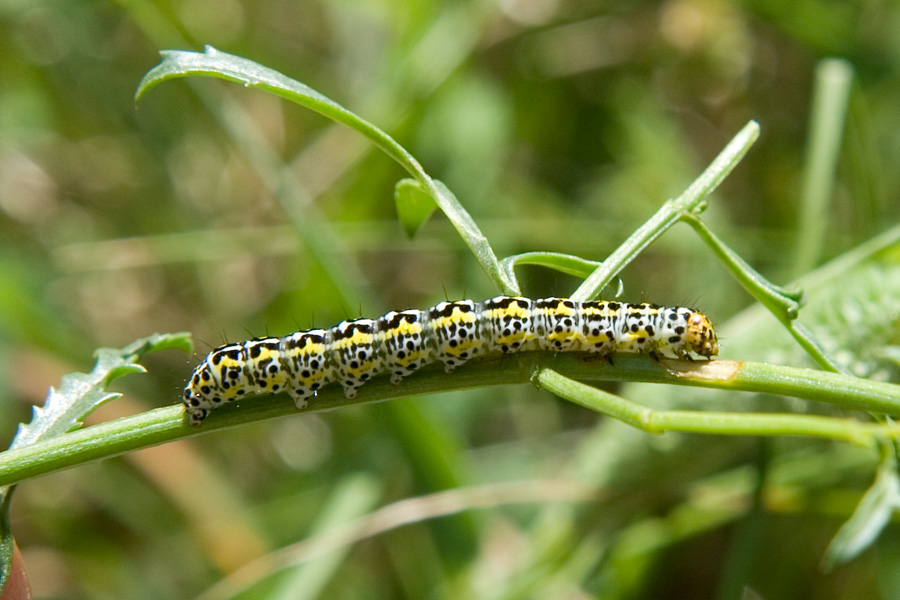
[
  {"x": 196, "y": 416},
  {"x": 195, "y": 406}
]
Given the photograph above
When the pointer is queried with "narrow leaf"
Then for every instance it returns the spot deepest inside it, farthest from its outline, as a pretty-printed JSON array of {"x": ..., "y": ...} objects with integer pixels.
[
  {"x": 564, "y": 263},
  {"x": 414, "y": 205},
  {"x": 869, "y": 518},
  {"x": 215, "y": 63}
]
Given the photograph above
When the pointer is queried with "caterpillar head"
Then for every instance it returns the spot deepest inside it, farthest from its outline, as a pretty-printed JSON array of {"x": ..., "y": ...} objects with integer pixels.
[{"x": 700, "y": 336}]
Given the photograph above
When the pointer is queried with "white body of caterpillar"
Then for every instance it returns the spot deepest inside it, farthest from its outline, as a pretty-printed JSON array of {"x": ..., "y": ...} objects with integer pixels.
[{"x": 401, "y": 342}]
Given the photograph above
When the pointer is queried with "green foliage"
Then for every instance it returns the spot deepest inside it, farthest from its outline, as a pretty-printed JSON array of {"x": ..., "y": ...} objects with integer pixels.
[
  {"x": 81, "y": 393},
  {"x": 561, "y": 128},
  {"x": 870, "y": 518},
  {"x": 213, "y": 63},
  {"x": 414, "y": 205}
]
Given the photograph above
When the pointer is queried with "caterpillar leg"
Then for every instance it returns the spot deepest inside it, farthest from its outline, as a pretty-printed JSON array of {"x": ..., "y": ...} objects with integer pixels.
[
  {"x": 197, "y": 415},
  {"x": 196, "y": 405},
  {"x": 351, "y": 389},
  {"x": 401, "y": 372},
  {"x": 301, "y": 397}
]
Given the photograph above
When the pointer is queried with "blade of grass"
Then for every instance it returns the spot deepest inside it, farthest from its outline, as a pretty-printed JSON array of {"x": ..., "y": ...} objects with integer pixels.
[
  {"x": 314, "y": 231},
  {"x": 833, "y": 79},
  {"x": 749, "y": 540},
  {"x": 354, "y": 496},
  {"x": 401, "y": 513}
]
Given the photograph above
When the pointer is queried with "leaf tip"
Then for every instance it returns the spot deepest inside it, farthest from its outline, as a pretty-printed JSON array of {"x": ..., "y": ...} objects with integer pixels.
[{"x": 414, "y": 205}]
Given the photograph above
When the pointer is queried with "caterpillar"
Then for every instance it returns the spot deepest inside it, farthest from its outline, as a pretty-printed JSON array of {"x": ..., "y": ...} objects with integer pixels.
[{"x": 400, "y": 342}]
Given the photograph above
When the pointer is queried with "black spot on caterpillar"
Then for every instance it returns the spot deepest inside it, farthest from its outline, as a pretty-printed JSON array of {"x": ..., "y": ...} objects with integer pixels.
[{"x": 400, "y": 342}]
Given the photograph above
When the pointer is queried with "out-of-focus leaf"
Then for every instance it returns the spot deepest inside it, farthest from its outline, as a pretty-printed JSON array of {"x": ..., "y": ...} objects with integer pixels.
[{"x": 869, "y": 518}]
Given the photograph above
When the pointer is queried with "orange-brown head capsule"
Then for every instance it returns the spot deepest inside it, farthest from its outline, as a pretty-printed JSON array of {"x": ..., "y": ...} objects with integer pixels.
[{"x": 700, "y": 335}]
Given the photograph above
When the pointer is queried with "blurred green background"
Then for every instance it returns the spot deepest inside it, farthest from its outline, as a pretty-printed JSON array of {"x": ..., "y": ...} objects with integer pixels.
[{"x": 560, "y": 126}]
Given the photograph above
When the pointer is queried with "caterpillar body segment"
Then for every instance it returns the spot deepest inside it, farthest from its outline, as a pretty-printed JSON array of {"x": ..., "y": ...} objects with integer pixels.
[
  {"x": 401, "y": 342},
  {"x": 304, "y": 357},
  {"x": 509, "y": 324},
  {"x": 353, "y": 354},
  {"x": 402, "y": 338},
  {"x": 558, "y": 322},
  {"x": 455, "y": 329}
]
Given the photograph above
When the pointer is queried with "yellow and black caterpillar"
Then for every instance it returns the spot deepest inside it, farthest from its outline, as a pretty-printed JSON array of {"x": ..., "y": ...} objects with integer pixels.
[{"x": 401, "y": 342}]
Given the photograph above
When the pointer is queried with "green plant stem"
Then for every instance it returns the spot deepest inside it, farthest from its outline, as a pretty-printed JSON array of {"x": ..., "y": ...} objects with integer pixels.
[
  {"x": 167, "y": 424},
  {"x": 564, "y": 263},
  {"x": 659, "y": 421},
  {"x": 693, "y": 200},
  {"x": 781, "y": 302}
]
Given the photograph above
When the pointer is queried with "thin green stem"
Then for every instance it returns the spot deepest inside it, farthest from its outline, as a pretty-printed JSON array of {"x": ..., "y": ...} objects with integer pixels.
[
  {"x": 781, "y": 302},
  {"x": 814, "y": 348},
  {"x": 723, "y": 423},
  {"x": 166, "y": 424},
  {"x": 693, "y": 200},
  {"x": 564, "y": 263}
]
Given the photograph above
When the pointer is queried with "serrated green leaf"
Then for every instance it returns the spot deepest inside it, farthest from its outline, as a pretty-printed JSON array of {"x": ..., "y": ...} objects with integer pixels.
[
  {"x": 122, "y": 370},
  {"x": 65, "y": 408},
  {"x": 80, "y": 393},
  {"x": 160, "y": 341},
  {"x": 870, "y": 517},
  {"x": 414, "y": 205}
]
